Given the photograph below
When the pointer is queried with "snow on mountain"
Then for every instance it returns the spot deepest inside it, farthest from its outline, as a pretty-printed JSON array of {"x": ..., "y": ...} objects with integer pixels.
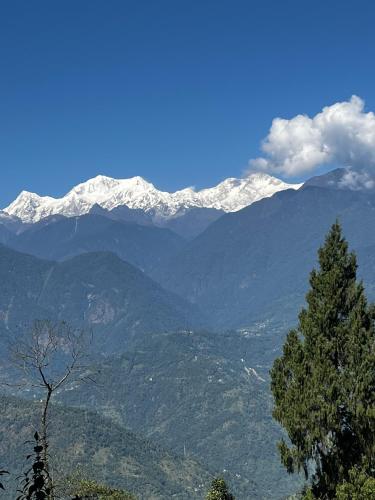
[{"x": 230, "y": 195}]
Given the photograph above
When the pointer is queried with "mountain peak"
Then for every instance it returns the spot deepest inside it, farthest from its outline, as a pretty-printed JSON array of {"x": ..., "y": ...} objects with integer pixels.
[{"x": 230, "y": 195}]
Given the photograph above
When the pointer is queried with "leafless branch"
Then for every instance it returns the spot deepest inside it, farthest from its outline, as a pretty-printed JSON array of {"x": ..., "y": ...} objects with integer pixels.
[{"x": 48, "y": 357}]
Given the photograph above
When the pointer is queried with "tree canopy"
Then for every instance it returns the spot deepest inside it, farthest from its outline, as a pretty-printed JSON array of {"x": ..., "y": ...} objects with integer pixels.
[
  {"x": 323, "y": 384},
  {"x": 219, "y": 490}
]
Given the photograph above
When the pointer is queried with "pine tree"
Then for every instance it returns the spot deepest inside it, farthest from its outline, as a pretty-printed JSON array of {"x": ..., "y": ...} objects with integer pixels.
[
  {"x": 219, "y": 491},
  {"x": 324, "y": 383}
]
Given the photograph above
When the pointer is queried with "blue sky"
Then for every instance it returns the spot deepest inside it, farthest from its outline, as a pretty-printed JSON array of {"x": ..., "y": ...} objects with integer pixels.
[{"x": 180, "y": 92}]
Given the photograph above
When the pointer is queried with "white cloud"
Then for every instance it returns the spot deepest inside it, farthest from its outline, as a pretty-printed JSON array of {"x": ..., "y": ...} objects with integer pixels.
[
  {"x": 356, "y": 180},
  {"x": 341, "y": 134}
]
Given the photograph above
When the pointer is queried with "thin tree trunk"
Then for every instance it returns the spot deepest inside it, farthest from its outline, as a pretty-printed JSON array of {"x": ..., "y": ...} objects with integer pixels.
[{"x": 45, "y": 440}]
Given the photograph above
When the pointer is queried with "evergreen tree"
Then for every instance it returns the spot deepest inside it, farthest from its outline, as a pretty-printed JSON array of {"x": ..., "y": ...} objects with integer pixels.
[
  {"x": 324, "y": 383},
  {"x": 359, "y": 487},
  {"x": 219, "y": 491},
  {"x": 91, "y": 490}
]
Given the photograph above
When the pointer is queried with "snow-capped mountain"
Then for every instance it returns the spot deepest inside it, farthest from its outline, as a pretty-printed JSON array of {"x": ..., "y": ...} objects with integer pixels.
[{"x": 136, "y": 193}]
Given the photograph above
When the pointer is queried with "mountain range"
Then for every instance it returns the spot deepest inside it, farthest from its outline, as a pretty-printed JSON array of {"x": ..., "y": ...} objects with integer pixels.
[
  {"x": 136, "y": 193},
  {"x": 254, "y": 264},
  {"x": 152, "y": 278}
]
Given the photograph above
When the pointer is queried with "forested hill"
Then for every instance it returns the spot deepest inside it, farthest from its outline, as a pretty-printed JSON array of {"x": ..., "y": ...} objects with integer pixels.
[
  {"x": 98, "y": 291},
  {"x": 202, "y": 394},
  {"x": 100, "y": 449}
]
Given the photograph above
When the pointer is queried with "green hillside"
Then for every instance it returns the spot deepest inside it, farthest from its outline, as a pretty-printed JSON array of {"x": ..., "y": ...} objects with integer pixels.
[
  {"x": 100, "y": 449},
  {"x": 200, "y": 395}
]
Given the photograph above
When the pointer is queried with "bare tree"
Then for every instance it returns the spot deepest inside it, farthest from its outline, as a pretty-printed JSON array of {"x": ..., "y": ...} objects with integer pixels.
[{"x": 50, "y": 356}]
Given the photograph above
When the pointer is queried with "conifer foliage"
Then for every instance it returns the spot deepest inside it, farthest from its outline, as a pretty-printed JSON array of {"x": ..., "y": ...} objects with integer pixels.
[
  {"x": 324, "y": 383},
  {"x": 219, "y": 491}
]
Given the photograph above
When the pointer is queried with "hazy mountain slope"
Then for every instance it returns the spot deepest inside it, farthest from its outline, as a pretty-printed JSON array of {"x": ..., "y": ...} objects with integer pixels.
[
  {"x": 5, "y": 234},
  {"x": 11, "y": 222},
  {"x": 143, "y": 246},
  {"x": 193, "y": 222},
  {"x": 200, "y": 394},
  {"x": 255, "y": 263},
  {"x": 136, "y": 193},
  {"x": 122, "y": 213},
  {"x": 102, "y": 449},
  {"x": 8, "y": 226},
  {"x": 22, "y": 278},
  {"x": 115, "y": 298},
  {"x": 188, "y": 223},
  {"x": 96, "y": 290}
]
